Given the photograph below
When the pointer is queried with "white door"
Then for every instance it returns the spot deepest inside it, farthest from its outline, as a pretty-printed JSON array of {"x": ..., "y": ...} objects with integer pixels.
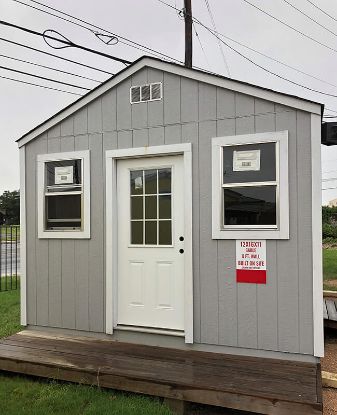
[{"x": 150, "y": 203}]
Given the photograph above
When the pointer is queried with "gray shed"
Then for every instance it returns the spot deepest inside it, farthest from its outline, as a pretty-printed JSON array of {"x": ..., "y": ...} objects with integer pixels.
[{"x": 174, "y": 207}]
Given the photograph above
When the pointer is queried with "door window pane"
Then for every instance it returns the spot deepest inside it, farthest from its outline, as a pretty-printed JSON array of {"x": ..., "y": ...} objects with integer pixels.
[
  {"x": 151, "y": 233},
  {"x": 137, "y": 207},
  {"x": 151, "y": 207},
  {"x": 242, "y": 173},
  {"x": 150, "y": 182},
  {"x": 165, "y": 207},
  {"x": 165, "y": 232},
  {"x": 137, "y": 232},
  {"x": 250, "y": 205},
  {"x": 164, "y": 178},
  {"x": 136, "y": 179}
]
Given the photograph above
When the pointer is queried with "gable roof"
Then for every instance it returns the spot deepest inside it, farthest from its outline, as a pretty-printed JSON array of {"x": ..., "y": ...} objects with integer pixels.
[{"x": 198, "y": 75}]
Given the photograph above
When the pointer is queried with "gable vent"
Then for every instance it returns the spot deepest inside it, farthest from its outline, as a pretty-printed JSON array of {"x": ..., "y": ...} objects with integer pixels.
[{"x": 145, "y": 93}]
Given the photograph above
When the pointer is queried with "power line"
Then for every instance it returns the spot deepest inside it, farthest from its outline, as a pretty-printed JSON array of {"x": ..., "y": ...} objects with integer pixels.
[
  {"x": 323, "y": 11},
  {"x": 40, "y": 86},
  {"x": 126, "y": 41},
  {"x": 56, "y": 56},
  {"x": 329, "y": 188},
  {"x": 310, "y": 18},
  {"x": 201, "y": 45},
  {"x": 65, "y": 42},
  {"x": 291, "y": 27},
  {"x": 44, "y": 78},
  {"x": 48, "y": 67}
]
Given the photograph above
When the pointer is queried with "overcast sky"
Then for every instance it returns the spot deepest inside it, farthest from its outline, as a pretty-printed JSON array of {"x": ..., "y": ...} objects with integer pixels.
[{"x": 155, "y": 25}]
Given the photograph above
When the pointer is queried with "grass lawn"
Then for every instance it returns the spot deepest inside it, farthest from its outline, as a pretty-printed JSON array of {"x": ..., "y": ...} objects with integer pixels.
[
  {"x": 26, "y": 396},
  {"x": 330, "y": 269}
]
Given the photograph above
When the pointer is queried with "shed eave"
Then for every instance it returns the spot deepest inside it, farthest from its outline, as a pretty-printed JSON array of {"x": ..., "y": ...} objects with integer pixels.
[{"x": 209, "y": 78}]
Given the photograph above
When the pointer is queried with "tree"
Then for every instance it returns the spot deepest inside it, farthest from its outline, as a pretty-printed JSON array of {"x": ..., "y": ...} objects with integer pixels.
[{"x": 10, "y": 207}]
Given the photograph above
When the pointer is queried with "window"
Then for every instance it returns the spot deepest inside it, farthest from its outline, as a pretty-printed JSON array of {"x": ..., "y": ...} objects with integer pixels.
[
  {"x": 64, "y": 195},
  {"x": 151, "y": 211},
  {"x": 144, "y": 93},
  {"x": 250, "y": 186}
]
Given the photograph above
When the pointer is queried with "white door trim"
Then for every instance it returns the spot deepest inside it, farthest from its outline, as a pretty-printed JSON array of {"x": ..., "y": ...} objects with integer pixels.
[{"x": 111, "y": 253}]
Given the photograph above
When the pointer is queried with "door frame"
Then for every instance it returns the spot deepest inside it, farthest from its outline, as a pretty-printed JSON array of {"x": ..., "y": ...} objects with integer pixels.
[{"x": 111, "y": 244}]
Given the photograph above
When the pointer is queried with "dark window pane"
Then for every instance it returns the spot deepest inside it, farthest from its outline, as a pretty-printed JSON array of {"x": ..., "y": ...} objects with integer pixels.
[
  {"x": 266, "y": 171},
  {"x": 137, "y": 207},
  {"x": 151, "y": 233},
  {"x": 137, "y": 232},
  {"x": 64, "y": 172},
  {"x": 250, "y": 205},
  {"x": 165, "y": 232},
  {"x": 150, "y": 181},
  {"x": 164, "y": 178},
  {"x": 136, "y": 182},
  {"x": 145, "y": 92},
  {"x": 63, "y": 209},
  {"x": 150, "y": 207},
  {"x": 165, "y": 207},
  {"x": 63, "y": 225}
]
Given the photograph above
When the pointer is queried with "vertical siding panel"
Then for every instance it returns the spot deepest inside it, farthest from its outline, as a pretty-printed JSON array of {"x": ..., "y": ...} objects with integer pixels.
[
  {"x": 225, "y": 106},
  {"x": 67, "y": 126},
  {"x": 171, "y": 98},
  {"x": 156, "y": 136},
  {"x": 109, "y": 142},
  {"x": 41, "y": 246},
  {"x": 304, "y": 229},
  {"x": 155, "y": 108},
  {"x": 68, "y": 264},
  {"x": 81, "y": 121},
  {"x": 55, "y": 260},
  {"x": 109, "y": 110},
  {"x": 96, "y": 247},
  {"x": 208, "y": 247},
  {"x": 228, "y": 319},
  {"x": 124, "y": 139},
  {"x": 140, "y": 138},
  {"x": 95, "y": 116},
  {"x": 81, "y": 259},
  {"x": 189, "y": 100},
  {"x": 207, "y": 102},
  {"x": 287, "y": 268},
  {"x": 123, "y": 105},
  {"x": 190, "y": 135},
  {"x": 54, "y": 131},
  {"x": 267, "y": 294},
  {"x": 139, "y": 111},
  {"x": 173, "y": 134},
  {"x": 247, "y": 293}
]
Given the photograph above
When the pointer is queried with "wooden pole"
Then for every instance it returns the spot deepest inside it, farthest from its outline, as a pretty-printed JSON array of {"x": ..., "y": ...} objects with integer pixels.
[{"x": 188, "y": 34}]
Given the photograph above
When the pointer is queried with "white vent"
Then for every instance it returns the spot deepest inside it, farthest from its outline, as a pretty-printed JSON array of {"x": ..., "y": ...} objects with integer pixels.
[{"x": 145, "y": 93}]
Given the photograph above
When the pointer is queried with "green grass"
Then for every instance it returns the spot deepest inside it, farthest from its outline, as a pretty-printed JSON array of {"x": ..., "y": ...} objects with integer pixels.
[
  {"x": 27, "y": 396},
  {"x": 6, "y": 235},
  {"x": 330, "y": 269}
]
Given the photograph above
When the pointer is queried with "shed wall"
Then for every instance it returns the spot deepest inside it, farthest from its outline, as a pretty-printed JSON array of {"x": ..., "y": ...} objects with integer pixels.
[{"x": 65, "y": 278}]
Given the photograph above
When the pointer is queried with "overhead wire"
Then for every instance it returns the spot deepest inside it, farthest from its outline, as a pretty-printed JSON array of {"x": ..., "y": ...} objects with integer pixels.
[
  {"x": 65, "y": 42},
  {"x": 252, "y": 61},
  {"x": 323, "y": 11},
  {"x": 309, "y": 17},
  {"x": 56, "y": 56},
  {"x": 49, "y": 67},
  {"x": 40, "y": 86},
  {"x": 219, "y": 43},
  {"x": 43, "y": 77},
  {"x": 200, "y": 43},
  {"x": 290, "y": 27},
  {"x": 121, "y": 39}
]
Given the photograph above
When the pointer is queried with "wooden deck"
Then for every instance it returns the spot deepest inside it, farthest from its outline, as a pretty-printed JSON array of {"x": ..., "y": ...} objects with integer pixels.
[
  {"x": 330, "y": 312},
  {"x": 265, "y": 386}
]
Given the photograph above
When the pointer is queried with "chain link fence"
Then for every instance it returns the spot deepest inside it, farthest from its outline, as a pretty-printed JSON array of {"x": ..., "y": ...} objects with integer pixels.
[{"x": 9, "y": 257}]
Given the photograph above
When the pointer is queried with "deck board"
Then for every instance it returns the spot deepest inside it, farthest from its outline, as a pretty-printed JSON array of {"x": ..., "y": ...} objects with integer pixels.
[{"x": 246, "y": 383}]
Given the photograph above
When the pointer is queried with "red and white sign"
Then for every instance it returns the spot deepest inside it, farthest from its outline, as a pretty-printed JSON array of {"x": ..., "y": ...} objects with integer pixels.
[{"x": 251, "y": 261}]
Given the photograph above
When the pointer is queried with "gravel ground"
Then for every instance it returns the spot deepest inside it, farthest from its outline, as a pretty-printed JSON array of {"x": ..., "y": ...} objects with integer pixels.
[{"x": 329, "y": 364}]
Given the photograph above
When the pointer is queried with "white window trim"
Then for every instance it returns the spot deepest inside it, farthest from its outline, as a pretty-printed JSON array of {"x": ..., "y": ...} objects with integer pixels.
[
  {"x": 23, "y": 238},
  {"x": 282, "y": 231},
  {"x": 111, "y": 249},
  {"x": 42, "y": 159},
  {"x": 140, "y": 93}
]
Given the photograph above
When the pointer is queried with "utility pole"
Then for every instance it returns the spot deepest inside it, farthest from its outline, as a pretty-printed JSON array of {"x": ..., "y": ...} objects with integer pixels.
[{"x": 188, "y": 33}]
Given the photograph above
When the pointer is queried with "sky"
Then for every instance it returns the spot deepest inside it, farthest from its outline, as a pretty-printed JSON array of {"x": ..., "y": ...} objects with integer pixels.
[{"x": 155, "y": 25}]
